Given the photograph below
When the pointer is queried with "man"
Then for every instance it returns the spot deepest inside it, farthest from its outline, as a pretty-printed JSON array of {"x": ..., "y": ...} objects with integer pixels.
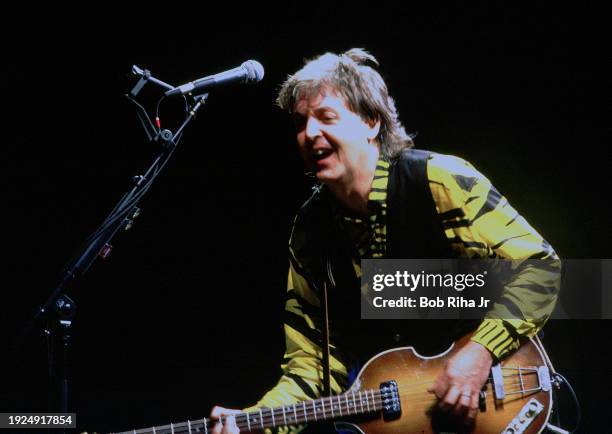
[{"x": 379, "y": 198}]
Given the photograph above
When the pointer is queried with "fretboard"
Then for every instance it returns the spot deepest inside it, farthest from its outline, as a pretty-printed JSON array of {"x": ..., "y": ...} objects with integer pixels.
[{"x": 328, "y": 408}]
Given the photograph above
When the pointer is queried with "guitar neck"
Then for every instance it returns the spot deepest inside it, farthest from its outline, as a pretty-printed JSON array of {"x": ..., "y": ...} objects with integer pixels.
[
  {"x": 521, "y": 385},
  {"x": 328, "y": 408}
]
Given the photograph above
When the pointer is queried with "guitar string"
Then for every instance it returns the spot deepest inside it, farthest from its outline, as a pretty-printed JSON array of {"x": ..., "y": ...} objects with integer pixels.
[
  {"x": 243, "y": 426},
  {"x": 376, "y": 394},
  {"x": 198, "y": 427},
  {"x": 418, "y": 383},
  {"x": 267, "y": 420},
  {"x": 430, "y": 400}
]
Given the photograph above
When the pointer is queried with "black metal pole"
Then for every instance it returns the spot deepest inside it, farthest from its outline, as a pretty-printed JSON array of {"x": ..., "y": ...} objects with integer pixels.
[{"x": 59, "y": 310}]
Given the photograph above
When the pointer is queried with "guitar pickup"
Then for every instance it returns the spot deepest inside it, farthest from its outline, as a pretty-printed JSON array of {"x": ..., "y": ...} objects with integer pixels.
[
  {"x": 544, "y": 378},
  {"x": 498, "y": 382},
  {"x": 391, "y": 404}
]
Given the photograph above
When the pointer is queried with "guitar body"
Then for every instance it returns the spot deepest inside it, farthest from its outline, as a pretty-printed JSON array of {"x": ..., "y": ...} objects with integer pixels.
[
  {"x": 390, "y": 397},
  {"x": 419, "y": 413}
]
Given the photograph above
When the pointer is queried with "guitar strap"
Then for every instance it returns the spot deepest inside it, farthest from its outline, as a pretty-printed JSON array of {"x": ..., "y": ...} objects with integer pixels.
[{"x": 326, "y": 344}]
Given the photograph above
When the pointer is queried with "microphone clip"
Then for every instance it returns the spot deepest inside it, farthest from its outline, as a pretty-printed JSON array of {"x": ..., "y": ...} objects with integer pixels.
[{"x": 166, "y": 138}]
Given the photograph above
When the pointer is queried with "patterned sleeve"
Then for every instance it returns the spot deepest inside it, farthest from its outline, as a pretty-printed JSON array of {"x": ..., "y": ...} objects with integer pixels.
[
  {"x": 302, "y": 377},
  {"x": 480, "y": 223}
]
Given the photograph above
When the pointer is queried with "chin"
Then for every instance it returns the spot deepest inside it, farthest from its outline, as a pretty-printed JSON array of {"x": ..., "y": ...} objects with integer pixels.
[{"x": 327, "y": 176}]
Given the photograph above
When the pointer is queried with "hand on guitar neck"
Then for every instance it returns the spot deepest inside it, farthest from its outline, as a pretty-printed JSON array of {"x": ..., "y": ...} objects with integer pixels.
[
  {"x": 457, "y": 387},
  {"x": 229, "y": 427},
  {"x": 398, "y": 390},
  {"x": 459, "y": 384}
]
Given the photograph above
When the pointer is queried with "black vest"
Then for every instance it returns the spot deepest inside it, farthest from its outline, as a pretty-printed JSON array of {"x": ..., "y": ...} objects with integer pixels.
[{"x": 414, "y": 230}]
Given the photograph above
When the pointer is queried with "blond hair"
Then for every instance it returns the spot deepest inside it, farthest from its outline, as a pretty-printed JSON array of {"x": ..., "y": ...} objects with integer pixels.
[{"x": 361, "y": 86}]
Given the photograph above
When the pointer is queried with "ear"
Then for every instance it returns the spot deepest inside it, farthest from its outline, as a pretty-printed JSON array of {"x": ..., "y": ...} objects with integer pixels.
[{"x": 374, "y": 130}]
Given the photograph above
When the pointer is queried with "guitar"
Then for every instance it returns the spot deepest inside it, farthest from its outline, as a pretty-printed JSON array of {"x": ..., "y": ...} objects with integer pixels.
[{"x": 390, "y": 396}]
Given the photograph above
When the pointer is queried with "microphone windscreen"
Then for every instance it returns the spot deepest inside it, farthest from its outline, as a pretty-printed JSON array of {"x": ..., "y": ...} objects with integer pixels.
[{"x": 254, "y": 69}]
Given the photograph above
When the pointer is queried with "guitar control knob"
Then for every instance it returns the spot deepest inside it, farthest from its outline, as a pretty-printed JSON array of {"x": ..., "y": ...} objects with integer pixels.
[
  {"x": 533, "y": 407},
  {"x": 524, "y": 418}
]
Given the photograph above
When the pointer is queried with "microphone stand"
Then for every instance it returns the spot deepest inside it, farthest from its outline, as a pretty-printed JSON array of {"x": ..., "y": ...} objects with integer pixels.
[{"x": 59, "y": 310}]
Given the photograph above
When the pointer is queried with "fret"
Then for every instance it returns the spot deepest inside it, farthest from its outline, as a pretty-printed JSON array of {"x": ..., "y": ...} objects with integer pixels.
[
  {"x": 171, "y": 427},
  {"x": 354, "y": 404},
  {"x": 360, "y": 400},
  {"x": 340, "y": 405},
  {"x": 323, "y": 405},
  {"x": 305, "y": 416},
  {"x": 273, "y": 420},
  {"x": 205, "y": 426},
  {"x": 153, "y": 430},
  {"x": 348, "y": 407},
  {"x": 295, "y": 413},
  {"x": 261, "y": 419},
  {"x": 331, "y": 405},
  {"x": 284, "y": 415},
  {"x": 367, "y": 401},
  {"x": 373, "y": 399},
  {"x": 189, "y": 426},
  {"x": 248, "y": 421},
  {"x": 314, "y": 407}
]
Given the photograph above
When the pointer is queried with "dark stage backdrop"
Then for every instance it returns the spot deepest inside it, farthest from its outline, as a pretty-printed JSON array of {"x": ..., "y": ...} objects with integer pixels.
[{"x": 186, "y": 312}]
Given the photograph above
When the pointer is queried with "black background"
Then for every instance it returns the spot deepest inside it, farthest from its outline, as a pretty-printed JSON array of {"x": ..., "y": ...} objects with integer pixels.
[{"x": 186, "y": 312}]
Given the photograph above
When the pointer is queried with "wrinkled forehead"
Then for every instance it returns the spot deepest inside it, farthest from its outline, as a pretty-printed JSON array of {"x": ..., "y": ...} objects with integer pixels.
[{"x": 311, "y": 97}]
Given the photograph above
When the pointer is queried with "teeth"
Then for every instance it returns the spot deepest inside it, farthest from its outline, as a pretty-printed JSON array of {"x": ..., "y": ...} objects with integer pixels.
[{"x": 319, "y": 152}]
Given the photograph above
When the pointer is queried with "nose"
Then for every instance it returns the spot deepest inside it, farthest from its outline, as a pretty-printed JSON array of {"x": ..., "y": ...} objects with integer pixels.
[{"x": 313, "y": 128}]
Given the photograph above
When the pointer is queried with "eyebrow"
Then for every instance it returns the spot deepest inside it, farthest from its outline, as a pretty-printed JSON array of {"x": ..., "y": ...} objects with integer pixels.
[{"x": 317, "y": 110}]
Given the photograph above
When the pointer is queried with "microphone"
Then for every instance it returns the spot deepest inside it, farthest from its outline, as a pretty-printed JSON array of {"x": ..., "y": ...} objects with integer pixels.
[{"x": 249, "y": 71}]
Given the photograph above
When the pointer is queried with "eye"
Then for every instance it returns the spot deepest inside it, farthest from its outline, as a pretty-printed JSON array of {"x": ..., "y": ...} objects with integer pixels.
[{"x": 328, "y": 116}]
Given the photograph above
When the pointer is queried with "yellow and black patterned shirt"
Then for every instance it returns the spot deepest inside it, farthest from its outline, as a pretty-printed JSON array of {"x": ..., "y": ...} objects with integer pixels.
[{"x": 478, "y": 222}]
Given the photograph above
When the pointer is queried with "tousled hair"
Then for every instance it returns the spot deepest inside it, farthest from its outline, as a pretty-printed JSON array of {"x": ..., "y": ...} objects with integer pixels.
[{"x": 353, "y": 76}]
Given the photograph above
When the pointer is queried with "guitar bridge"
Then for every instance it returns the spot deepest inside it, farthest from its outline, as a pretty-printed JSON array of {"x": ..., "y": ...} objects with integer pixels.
[{"x": 390, "y": 400}]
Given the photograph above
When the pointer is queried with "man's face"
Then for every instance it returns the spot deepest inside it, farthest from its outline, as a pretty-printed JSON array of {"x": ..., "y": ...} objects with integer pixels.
[{"x": 335, "y": 143}]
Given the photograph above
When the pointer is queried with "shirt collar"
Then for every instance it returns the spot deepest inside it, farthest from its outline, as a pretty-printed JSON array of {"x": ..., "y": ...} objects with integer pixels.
[{"x": 377, "y": 199}]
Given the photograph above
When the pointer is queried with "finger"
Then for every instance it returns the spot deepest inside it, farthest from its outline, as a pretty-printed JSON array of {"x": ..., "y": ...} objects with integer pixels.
[
  {"x": 231, "y": 411},
  {"x": 473, "y": 410},
  {"x": 217, "y": 428},
  {"x": 432, "y": 388},
  {"x": 230, "y": 426},
  {"x": 217, "y": 411},
  {"x": 440, "y": 387},
  {"x": 451, "y": 398},
  {"x": 463, "y": 403}
]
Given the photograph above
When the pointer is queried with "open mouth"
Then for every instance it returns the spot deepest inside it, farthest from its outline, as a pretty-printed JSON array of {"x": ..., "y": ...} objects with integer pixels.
[{"x": 321, "y": 154}]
